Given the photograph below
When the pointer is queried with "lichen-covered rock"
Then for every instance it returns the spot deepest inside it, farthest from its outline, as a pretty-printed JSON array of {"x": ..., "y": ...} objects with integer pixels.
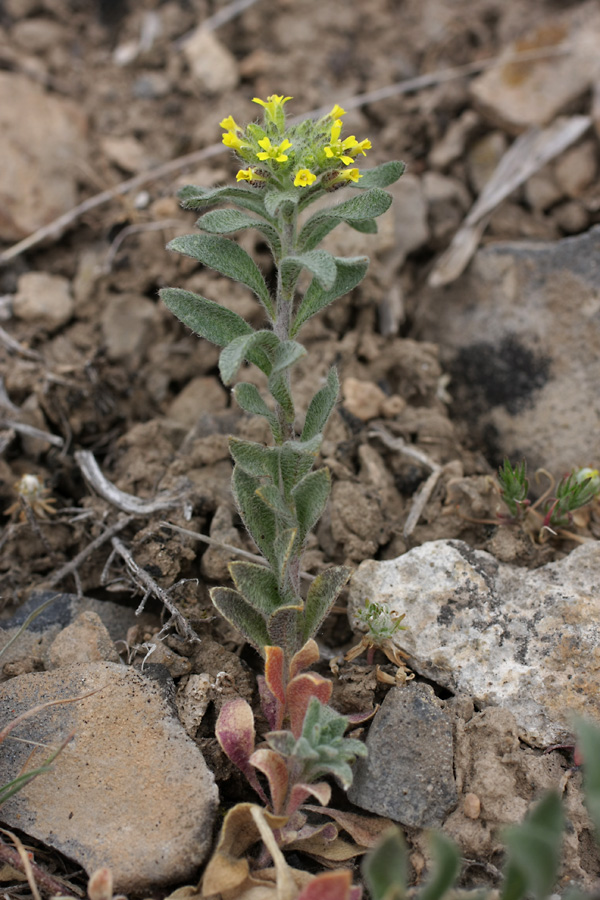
[{"x": 525, "y": 640}]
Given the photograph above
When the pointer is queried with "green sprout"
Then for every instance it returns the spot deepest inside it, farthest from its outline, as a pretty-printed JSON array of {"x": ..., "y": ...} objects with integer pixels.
[
  {"x": 514, "y": 488},
  {"x": 279, "y": 493}
]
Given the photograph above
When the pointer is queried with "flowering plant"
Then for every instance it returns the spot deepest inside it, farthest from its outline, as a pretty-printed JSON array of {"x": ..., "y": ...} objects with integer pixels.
[{"x": 279, "y": 493}]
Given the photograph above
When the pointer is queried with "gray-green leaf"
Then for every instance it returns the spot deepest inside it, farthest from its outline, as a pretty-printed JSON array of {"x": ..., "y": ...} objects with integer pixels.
[
  {"x": 381, "y": 176},
  {"x": 258, "y": 585},
  {"x": 366, "y": 206},
  {"x": 319, "y": 262},
  {"x": 258, "y": 518},
  {"x": 255, "y": 459},
  {"x": 256, "y": 347},
  {"x": 321, "y": 406},
  {"x": 533, "y": 857},
  {"x": 350, "y": 271},
  {"x": 385, "y": 869},
  {"x": 226, "y": 221},
  {"x": 310, "y": 497},
  {"x": 229, "y": 259},
  {"x": 206, "y": 318},
  {"x": 321, "y": 597},
  {"x": 250, "y": 400},
  {"x": 234, "y": 608}
]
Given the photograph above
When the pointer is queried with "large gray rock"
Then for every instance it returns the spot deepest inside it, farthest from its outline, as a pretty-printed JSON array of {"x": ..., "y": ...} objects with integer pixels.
[
  {"x": 524, "y": 640},
  {"x": 520, "y": 335},
  {"x": 131, "y": 791},
  {"x": 407, "y": 775}
]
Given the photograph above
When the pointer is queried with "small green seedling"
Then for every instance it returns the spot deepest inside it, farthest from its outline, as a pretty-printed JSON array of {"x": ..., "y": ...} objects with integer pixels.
[
  {"x": 380, "y": 625},
  {"x": 553, "y": 511},
  {"x": 279, "y": 493}
]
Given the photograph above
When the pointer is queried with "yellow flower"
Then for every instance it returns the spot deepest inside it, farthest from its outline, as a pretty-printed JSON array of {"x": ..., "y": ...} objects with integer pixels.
[
  {"x": 232, "y": 140},
  {"x": 348, "y": 175},
  {"x": 304, "y": 178},
  {"x": 251, "y": 175},
  {"x": 336, "y": 149},
  {"x": 229, "y": 124},
  {"x": 276, "y": 152},
  {"x": 336, "y": 112},
  {"x": 360, "y": 147},
  {"x": 273, "y": 103}
]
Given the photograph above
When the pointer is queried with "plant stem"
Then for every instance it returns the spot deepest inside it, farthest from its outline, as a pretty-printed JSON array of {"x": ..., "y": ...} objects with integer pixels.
[{"x": 284, "y": 304}]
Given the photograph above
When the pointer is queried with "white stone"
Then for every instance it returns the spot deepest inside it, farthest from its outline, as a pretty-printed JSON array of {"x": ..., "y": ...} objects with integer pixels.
[
  {"x": 526, "y": 640},
  {"x": 43, "y": 298},
  {"x": 210, "y": 62}
]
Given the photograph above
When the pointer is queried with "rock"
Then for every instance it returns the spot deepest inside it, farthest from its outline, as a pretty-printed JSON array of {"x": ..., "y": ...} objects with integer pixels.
[
  {"x": 410, "y": 215},
  {"x": 357, "y": 522},
  {"x": 85, "y": 640},
  {"x": 525, "y": 374},
  {"x": 210, "y": 62},
  {"x": 524, "y": 640},
  {"x": 577, "y": 168},
  {"x": 448, "y": 201},
  {"x": 541, "y": 190},
  {"x": 407, "y": 775},
  {"x": 571, "y": 216},
  {"x": 452, "y": 145},
  {"x": 126, "y": 152},
  {"x": 363, "y": 399},
  {"x": 127, "y": 324},
  {"x": 44, "y": 299},
  {"x": 471, "y": 806},
  {"x": 483, "y": 158},
  {"x": 200, "y": 395},
  {"x": 40, "y": 153},
  {"x": 131, "y": 791},
  {"x": 518, "y": 95}
]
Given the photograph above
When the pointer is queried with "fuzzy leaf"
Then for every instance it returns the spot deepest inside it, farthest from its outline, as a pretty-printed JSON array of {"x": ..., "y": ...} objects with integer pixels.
[
  {"x": 236, "y": 610},
  {"x": 255, "y": 459},
  {"x": 319, "y": 262},
  {"x": 446, "y": 867},
  {"x": 381, "y": 176},
  {"x": 286, "y": 354},
  {"x": 271, "y": 496},
  {"x": 300, "y": 691},
  {"x": 235, "y": 733},
  {"x": 304, "y": 658},
  {"x": 369, "y": 205},
  {"x": 301, "y": 792},
  {"x": 350, "y": 272},
  {"x": 296, "y": 460},
  {"x": 227, "y": 221},
  {"x": 284, "y": 628},
  {"x": 328, "y": 886},
  {"x": 271, "y": 707},
  {"x": 250, "y": 400},
  {"x": 257, "y": 585},
  {"x": 229, "y": 259},
  {"x": 194, "y": 197},
  {"x": 276, "y": 199},
  {"x": 310, "y": 497},
  {"x": 385, "y": 869},
  {"x": 533, "y": 856},
  {"x": 274, "y": 767},
  {"x": 258, "y": 518},
  {"x": 280, "y": 391},
  {"x": 321, "y": 406},
  {"x": 282, "y": 548},
  {"x": 274, "y": 672},
  {"x": 589, "y": 744},
  {"x": 321, "y": 597},
  {"x": 256, "y": 347},
  {"x": 206, "y": 318},
  {"x": 365, "y": 226}
]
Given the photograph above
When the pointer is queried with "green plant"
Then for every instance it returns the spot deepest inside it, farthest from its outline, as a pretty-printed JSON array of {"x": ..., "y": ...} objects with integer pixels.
[
  {"x": 533, "y": 848},
  {"x": 279, "y": 493},
  {"x": 553, "y": 511},
  {"x": 380, "y": 625}
]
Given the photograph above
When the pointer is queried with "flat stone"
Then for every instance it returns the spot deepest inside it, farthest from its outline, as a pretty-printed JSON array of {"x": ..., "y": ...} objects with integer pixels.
[
  {"x": 43, "y": 298},
  {"x": 210, "y": 62},
  {"x": 407, "y": 775},
  {"x": 39, "y": 153},
  {"x": 364, "y": 399},
  {"x": 128, "y": 321},
  {"x": 519, "y": 333},
  {"x": 85, "y": 640},
  {"x": 525, "y": 640},
  {"x": 131, "y": 791}
]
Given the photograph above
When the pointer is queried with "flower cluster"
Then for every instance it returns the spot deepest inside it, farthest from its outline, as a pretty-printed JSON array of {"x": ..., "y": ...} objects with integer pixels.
[{"x": 311, "y": 154}]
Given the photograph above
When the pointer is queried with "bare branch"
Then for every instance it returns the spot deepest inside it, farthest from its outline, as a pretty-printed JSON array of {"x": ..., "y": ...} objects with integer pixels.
[{"x": 107, "y": 490}]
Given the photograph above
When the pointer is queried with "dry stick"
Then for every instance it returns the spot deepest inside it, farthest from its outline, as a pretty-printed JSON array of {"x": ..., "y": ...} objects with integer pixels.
[
  {"x": 11, "y": 344},
  {"x": 54, "y": 229},
  {"x": 151, "y": 587},
  {"x": 229, "y": 547},
  {"x": 30, "y": 431},
  {"x": 35, "y": 875},
  {"x": 107, "y": 490},
  {"x": 74, "y": 563}
]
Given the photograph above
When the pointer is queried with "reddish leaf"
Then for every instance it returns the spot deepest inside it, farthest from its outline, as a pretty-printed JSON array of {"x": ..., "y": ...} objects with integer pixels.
[
  {"x": 365, "y": 830},
  {"x": 300, "y": 691},
  {"x": 274, "y": 672},
  {"x": 360, "y": 718},
  {"x": 328, "y": 886},
  {"x": 271, "y": 707},
  {"x": 304, "y": 658},
  {"x": 235, "y": 733},
  {"x": 299, "y": 793},
  {"x": 274, "y": 767}
]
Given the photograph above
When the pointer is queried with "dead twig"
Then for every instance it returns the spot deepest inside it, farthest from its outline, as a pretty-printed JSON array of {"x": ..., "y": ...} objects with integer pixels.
[
  {"x": 107, "y": 490},
  {"x": 32, "y": 432},
  {"x": 73, "y": 564},
  {"x": 149, "y": 586},
  {"x": 11, "y": 344},
  {"x": 228, "y": 547},
  {"x": 55, "y": 229},
  {"x": 19, "y": 860}
]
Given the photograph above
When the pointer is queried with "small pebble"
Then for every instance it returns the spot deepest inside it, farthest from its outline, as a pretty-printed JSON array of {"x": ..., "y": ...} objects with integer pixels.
[{"x": 471, "y": 806}]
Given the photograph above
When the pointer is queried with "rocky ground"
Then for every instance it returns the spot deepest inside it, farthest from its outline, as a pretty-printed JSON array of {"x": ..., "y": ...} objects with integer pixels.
[{"x": 475, "y": 335}]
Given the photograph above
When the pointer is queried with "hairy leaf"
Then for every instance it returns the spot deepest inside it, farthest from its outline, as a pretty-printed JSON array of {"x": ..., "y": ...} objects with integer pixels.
[
  {"x": 250, "y": 400},
  {"x": 275, "y": 672},
  {"x": 227, "y": 221},
  {"x": 367, "y": 206},
  {"x": 381, "y": 176},
  {"x": 229, "y": 259},
  {"x": 319, "y": 262},
  {"x": 310, "y": 497},
  {"x": 283, "y": 546},
  {"x": 258, "y": 518},
  {"x": 247, "y": 620},
  {"x": 300, "y": 691},
  {"x": 301, "y": 792},
  {"x": 205, "y": 317},
  {"x": 305, "y": 657},
  {"x": 365, "y": 226},
  {"x": 534, "y": 851},
  {"x": 235, "y": 733},
  {"x": 446, "y": 866},
  {"x": 256, "y": 347},
  {"x": 280, "y": 389},
  {"x": 350, "y": 272},
  {"x": 321, "y": 406},
  {"x": 257, "y": 584},
  {"x": 385, "y": 869},
  {"x": 274, "y": 767},
  {"x": 284, "y": 628},
  {"x": 255, "y": 459},
  {"x": 296, "y": 460},
  {"x": 276, "y": 199},
  {"x": 321, "y": 597},
  {"x": 193, "y": 196}
]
